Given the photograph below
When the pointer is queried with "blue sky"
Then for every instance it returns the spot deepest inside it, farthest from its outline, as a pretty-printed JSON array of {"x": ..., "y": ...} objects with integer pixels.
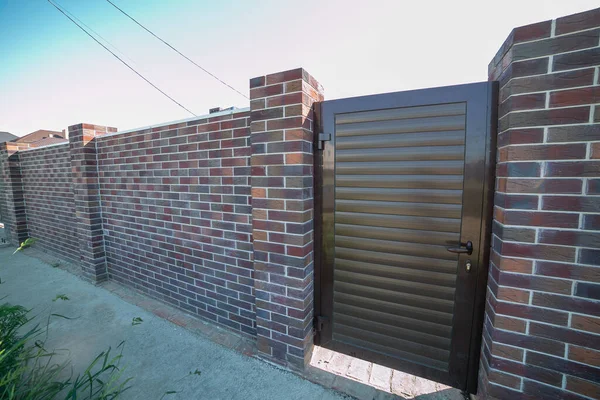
[{"x": 52, "y": 75}]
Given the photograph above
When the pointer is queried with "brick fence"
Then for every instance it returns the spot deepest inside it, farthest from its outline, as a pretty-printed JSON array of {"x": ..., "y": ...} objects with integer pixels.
[
  {"x": 541, "y": 330},
  {"x": 214, "y": 215}
]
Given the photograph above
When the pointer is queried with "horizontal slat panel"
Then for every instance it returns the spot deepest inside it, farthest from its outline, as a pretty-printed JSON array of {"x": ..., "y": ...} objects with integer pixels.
[
  {"x": 407, "y": 195},
  {"x": 400, "y": 168},
  {"x": 408, "y": 299},
  {"x": 399, "y": 221},
  {"x": 393, "y": 247},
  {"x": 401, "y": 235},
  {"x": 391, "y": 352},
  {"x": 385, "y": 318},
  {"x": 402, "y": 113},
  {"x": 390, "y": 346},
  {"x": 398, "y": 260},
  {"x": 431, "y": 124},
  {"x": 445, "y": 138},
  {"x": 452, "y": 182},
  {"x": 395, "y": 285},
  {"x": 415, "y": 337},
  {"x": 397, "y": 273},
  {"x": 426, "y": 153},
  {"x": 401, "y": 310},
  {"x": 399, "y": 208}
]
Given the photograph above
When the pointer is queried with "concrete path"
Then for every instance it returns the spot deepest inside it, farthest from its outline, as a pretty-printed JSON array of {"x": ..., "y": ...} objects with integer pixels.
[{"x": 158, "y": 354}]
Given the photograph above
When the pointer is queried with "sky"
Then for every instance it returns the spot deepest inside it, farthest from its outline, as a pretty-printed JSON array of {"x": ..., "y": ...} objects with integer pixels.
[{"x": 53, "y": 75}]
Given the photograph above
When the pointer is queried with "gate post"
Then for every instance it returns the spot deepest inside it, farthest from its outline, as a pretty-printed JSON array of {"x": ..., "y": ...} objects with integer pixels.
[
  {"x": 542, "y": 327},
  {"x": 282, "y": 203},
  {"x": 12, "y": 202},
  {"x": 86, "y": 191}
]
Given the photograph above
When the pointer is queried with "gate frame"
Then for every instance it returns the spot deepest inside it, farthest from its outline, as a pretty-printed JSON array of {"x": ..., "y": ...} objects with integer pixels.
[{"x": 423, "y": 95}]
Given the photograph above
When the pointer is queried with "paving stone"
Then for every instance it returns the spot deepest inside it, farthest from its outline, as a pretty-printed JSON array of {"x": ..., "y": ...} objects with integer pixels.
[
  {"x": 381, "y": 377},
  {"x": 359, "y": 370},
  {"x": 339, "y": 364}
]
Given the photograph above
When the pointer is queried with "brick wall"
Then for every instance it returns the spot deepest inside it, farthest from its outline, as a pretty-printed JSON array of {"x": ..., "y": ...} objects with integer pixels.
[
  {"x": 542, "y": 329},
  {"x": 177, "y": 218},
  {"x": 48, "y": 194}
]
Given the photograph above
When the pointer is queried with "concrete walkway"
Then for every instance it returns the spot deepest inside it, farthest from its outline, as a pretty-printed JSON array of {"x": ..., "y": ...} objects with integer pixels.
[{"x": 158, "y": 354}]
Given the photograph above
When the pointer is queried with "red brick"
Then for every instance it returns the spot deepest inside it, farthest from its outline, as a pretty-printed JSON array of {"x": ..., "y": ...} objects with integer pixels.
[
  {"x": 575, "y": 97},
  {"x": 578, "y": 22},
  {"x": 541, "y": 218},
  {"x": 586, "y": 323},
  {"x": 543, "y": 152},
  {"x": 584, "y": 387}
]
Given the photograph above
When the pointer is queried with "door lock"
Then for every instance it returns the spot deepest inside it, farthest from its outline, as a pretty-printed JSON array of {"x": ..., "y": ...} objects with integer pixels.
[{"x": 468, "y": 266}]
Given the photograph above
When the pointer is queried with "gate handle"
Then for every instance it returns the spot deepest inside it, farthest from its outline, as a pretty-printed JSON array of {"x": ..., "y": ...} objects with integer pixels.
[{"x": 459, "y": 250}]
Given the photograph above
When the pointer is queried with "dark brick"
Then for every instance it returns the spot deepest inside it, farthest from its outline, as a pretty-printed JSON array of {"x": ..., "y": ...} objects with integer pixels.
[
  {"x": 591, "y": 221},
  {"x": 520, "y": 136},
  {"x": 544, "y": 186},
  {"x": 589, "y": 256},
  {"x": 568, "y": 271},
  {"x": 522, "y": 102},
  {"x": 578, "y": 305},
  {"x": 576, "y": 133},
  {"x": 532, "y": 313},
  {"x": 510, "y": 201},
  {"x": 580, "y": 169},
  {"x": 268, "y": 113},
  {"x": 558, "y": 116},
  {"x": 535, "y": 390},
  {"x": 570, "y": 238},
  {"x": 528, "y": 371},
  {"x": 521, "y": 169},
  {"x": 588, "y": 290},
  {"x": 537, "y": 283},
  {"x": 571, "y": 203},
  {"x": 562, "y": 365},
  {"x": 578, "y": 59},
  {"x": 256, "y": 82},
  {"x": 555, "y": 45},
  {"x": 555, "y": 81},
  {"x": 565, "y": 335},
  {"x": 524, "y": 68}
]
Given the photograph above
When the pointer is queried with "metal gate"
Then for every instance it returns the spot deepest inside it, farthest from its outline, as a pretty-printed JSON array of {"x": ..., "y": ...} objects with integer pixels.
[{"x": 403, "y": 193}]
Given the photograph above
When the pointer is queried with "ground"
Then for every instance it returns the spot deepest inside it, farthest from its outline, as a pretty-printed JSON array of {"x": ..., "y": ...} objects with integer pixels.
[
  {"x": 161, "y": 351},
  {"x": 158, "y": 354}
]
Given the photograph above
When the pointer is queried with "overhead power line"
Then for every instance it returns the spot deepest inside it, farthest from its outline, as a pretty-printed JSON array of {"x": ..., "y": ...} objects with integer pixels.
[
  {"x": 120, "y": 59},
  {"x": 178, "y": 52},
  {"x": 96, "y": 33}
]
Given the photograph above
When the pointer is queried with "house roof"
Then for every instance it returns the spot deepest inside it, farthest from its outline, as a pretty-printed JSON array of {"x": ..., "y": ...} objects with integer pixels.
[
  {"x": 39, "y": 135},
  {"x": 48, "y": 141},
  {"x": 7, "y": 137}
]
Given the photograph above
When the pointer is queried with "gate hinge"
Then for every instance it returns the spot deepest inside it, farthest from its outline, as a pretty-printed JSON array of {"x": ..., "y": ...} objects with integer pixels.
[
  {"x": 320, "y": 321},
  {"x": 323, "y": 137}
]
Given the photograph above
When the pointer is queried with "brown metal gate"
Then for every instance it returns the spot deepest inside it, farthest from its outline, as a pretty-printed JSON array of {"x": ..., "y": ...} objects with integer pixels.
[{"x": 403, "y": 188}]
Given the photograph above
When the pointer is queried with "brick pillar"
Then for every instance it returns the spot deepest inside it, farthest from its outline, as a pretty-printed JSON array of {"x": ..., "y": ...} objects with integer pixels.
[
  {"x": 87, "y": 199},
  {"x": 12, "y": 202},
  {"x": 282, "y": 201},
  {"x": 542, "y": 328}
]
